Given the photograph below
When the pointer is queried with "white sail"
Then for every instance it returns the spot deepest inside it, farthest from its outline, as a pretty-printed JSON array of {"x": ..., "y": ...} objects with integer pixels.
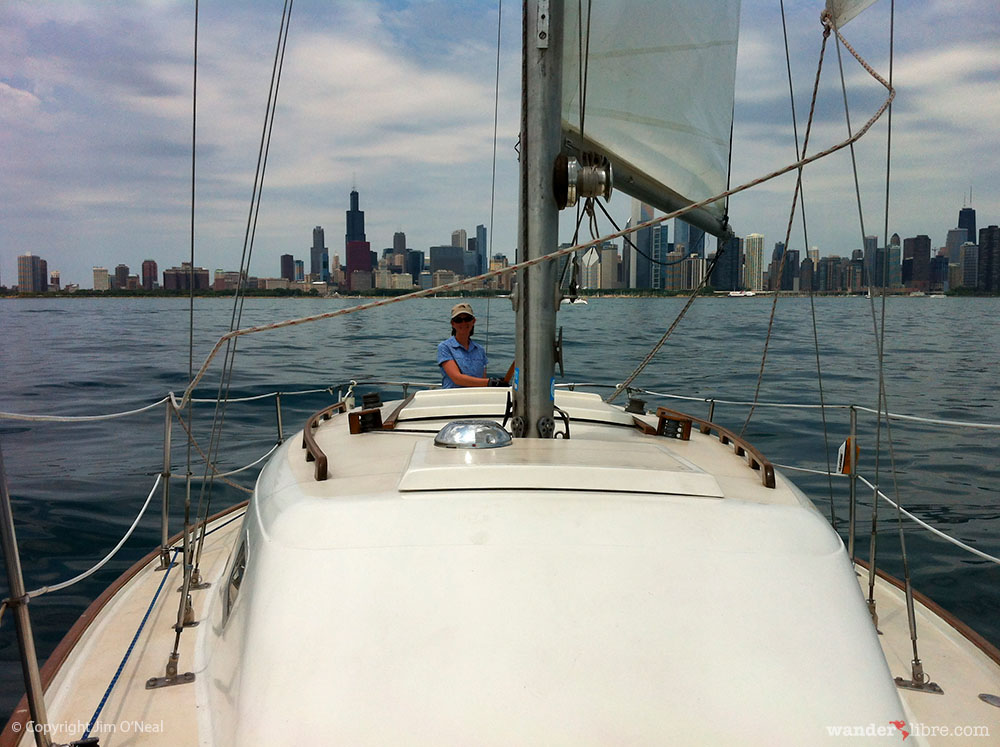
[
  {"x": 659, "y": 100},
  {"x": 843, "y": 11}
]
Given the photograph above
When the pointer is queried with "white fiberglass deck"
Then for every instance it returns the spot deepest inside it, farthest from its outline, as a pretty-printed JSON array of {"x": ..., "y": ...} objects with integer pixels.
[{"x": 615, "y": 587}]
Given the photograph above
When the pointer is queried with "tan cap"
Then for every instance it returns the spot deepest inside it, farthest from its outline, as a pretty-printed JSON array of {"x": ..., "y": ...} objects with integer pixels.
[{"x": 461, "y": 308}]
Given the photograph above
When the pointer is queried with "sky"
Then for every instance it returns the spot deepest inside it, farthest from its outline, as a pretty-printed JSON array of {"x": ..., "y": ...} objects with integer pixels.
[{"x": 396, "y": 99}]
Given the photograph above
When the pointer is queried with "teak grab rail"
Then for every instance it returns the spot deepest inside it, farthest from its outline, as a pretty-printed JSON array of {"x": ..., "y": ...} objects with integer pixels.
[
  {"x": 743, "y": 448},
  {"x": 313, "y": 452}
]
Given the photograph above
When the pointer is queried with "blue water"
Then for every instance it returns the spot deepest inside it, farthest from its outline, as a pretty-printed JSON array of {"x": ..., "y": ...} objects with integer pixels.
[{"x": 77, "y": 487}]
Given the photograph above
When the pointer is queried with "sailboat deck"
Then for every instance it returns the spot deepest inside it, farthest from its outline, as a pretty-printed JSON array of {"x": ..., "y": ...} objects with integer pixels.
[
  {"x": 127, "y": 643},
  {"x": 606, "y": 451},
  {"x": 448, "y": 597}
]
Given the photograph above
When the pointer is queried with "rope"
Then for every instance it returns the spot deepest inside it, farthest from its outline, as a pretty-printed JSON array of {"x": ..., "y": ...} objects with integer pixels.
[
  {"x": 243, "y": 469},
  {"x": 86, "y": 574},
  {"x": 557, "y": 253},
  {"x": 431, "y": 385},
  {"x": 79, "y": 418},
  {"x": 928, "y": 527},
  {"x": 907, "y": 514},
  {"x": 131, "y": 646},
  {"x": 194, "y": 443}
]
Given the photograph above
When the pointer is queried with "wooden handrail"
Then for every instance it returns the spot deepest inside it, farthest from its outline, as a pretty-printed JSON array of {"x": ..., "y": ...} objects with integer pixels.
[
  {"x": 313, "y": 452},
  {"x": 743, "y": 448}
]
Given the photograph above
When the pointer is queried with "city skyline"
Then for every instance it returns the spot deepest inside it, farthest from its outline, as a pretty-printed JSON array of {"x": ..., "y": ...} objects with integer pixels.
[{"x": 97, "y": 153}]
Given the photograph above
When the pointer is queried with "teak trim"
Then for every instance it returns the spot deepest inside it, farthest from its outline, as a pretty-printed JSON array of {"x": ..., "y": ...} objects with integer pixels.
[
  {"x": 743, "y": 448},
  {"x": 313, "y": 452}
]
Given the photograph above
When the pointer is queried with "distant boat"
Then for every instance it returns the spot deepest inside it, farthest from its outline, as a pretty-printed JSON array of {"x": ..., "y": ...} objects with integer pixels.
[
  {"x": 572, "y": 301},
  {"x": 741, "y": 294}
]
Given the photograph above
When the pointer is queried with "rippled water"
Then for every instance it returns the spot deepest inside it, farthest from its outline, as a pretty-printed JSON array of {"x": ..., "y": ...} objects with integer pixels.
[{"x": 77, "y": 487}]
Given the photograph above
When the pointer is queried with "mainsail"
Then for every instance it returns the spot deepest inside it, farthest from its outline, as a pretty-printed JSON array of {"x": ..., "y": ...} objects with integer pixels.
[{"x": 660, "y": 81}]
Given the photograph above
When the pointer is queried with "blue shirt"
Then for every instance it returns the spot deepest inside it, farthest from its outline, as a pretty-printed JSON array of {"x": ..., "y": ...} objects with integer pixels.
[{"x": 471, "y": 362}]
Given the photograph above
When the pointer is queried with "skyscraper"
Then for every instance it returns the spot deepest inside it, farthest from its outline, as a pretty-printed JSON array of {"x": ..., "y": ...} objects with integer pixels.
[
  {"x": 32, "y": 274},
  {"x": 919, "y": 248},
  {"x": 692, "y": 237},
  {"x": 459, "y": 237},
  {"x": 121, "y": 277},
  {"x": 355, "y": 221},
  {"x": 288, "y": 267},
  {"x": 101, "y": 280},
  {"x": 319, "y": 255},
  {"x": 641, "y": 265},
  {"x": 726, "y": 274},
  {"x": 753, "y": 272},
  {"x": 359, "y": 264},
  {"x": 895, "y": 268},
  {"x": 952, "y": 244},
  {"x": 399, "y": 243},
  {"x": 451, "y": 258},
  {"x": 482, "y": 248},
  {"x": 790, "y": 270},
  {"x": 967, "y": 220},
  {"x": 988, "y": 276},
  {"x": 872, "y": 268},
  {"x": 149, "y": 274},
  {"x": 660, "y": 248}
]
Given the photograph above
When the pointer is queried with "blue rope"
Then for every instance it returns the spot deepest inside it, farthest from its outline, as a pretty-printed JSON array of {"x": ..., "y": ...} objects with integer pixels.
[{"x": 114, "y": 680}]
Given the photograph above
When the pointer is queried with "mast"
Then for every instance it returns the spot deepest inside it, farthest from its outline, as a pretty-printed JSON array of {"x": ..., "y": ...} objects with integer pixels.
[{"x": 538, "y": 224}]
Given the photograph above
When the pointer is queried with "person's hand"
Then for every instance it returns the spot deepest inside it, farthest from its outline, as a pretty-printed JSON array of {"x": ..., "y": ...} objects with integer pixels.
[{"x": 496, "y": 381}]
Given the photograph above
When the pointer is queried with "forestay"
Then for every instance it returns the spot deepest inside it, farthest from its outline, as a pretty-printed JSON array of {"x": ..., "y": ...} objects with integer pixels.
[{"x": 659, "y": 98}]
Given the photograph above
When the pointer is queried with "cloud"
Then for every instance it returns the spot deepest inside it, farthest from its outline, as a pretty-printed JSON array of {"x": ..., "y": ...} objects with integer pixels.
[{"x": 397, "y": 99}]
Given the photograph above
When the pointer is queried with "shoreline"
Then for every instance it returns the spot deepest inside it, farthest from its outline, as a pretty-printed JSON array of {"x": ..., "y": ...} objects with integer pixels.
[{"x": 479, "y": 294}]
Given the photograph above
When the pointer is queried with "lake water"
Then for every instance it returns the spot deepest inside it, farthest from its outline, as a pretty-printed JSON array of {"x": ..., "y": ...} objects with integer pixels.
[{"x": 77, "y": 487}]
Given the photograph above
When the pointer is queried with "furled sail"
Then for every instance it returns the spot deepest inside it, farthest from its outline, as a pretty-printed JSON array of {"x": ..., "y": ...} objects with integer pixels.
[{"x": 660, "y": 80}]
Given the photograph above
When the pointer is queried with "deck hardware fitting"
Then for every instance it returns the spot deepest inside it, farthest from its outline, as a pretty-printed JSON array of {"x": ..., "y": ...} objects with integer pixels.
[{"x": 171, "y": 677}]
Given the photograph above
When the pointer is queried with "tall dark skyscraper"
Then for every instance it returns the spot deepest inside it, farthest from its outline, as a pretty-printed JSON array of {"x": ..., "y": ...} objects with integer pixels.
[
  {"x": 355, "y": 221},
  {"x": 967, "y": 220},
  {"x": 919, "y": 248},
  {"x": 319, "y": 255},
  {"x": 32, "y": 274},
  {"x": 726, "y": 275},
  {"x": 482, "y": 248},
  {"x": 288, "y": 267},
  {"x": 988, "y": 279},
  {"x": 641, "y": 266},
  {"x": 399, "y": 243}
]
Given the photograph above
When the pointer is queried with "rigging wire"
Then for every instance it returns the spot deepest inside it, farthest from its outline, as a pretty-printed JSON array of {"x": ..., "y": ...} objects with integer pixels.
[
  {"x": 178, "y": 627},
  {"x": 493, "y": 180},
  {"x": 812, "y": 297},
  {"x": 225, "y": 382},
  {"x": 791, "y": 216},
  {"x": 918, "y": 675}
]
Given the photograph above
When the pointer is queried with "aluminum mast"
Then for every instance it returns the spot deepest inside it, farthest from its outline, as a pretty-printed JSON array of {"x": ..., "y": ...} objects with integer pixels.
[{"x": 538, "y": 225}]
